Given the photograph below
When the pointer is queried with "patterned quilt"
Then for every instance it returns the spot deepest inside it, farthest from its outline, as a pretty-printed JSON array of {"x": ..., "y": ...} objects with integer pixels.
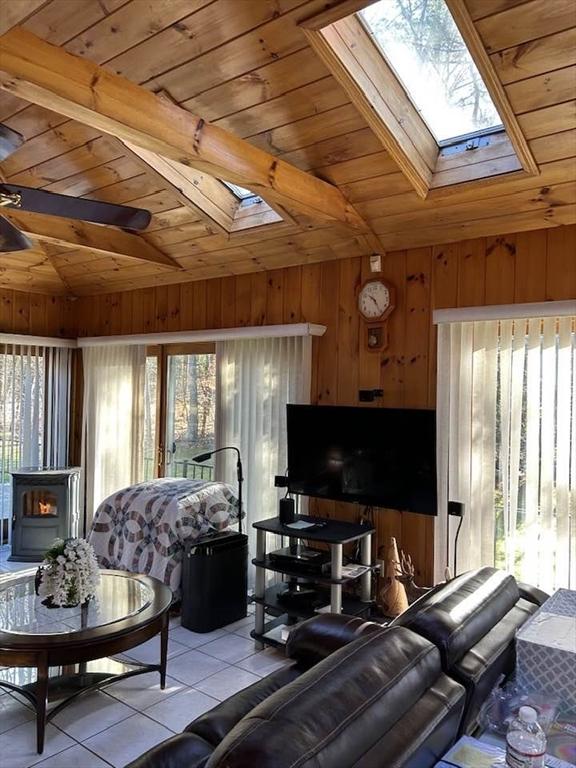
[{"x": 142, "y": 528}]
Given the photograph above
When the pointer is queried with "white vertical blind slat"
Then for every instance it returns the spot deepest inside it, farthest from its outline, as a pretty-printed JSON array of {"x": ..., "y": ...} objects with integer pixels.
[
  {"x": 566, "y": 382},
  {"x": 547, "y": 453},
  {"x": 442, "y": 442},
  {"x": 533, "y": 409},
  {"x": 516, "y": 387}
]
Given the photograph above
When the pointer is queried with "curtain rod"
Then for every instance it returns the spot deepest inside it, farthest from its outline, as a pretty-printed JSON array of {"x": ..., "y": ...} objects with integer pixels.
[
  {"x": 36, "y": 341},
  {"x": 214, "y": 334},
  {"x": 505, "y": 312}
]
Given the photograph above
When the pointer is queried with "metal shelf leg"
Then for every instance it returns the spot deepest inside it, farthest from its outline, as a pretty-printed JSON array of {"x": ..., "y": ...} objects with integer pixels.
[{"x": 336, "y": 573}]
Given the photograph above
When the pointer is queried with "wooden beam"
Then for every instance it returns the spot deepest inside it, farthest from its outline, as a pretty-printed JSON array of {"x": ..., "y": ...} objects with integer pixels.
[
  {"x": 71, "y": 233},
  {"x": 183, "y": 182},
  {"x": 351, "y": 55},
  {"x": 493, "y": 83},
  {"x": 75, "y": 87}
]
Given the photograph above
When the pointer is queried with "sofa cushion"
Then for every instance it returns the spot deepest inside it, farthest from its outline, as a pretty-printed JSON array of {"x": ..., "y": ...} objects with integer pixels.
[
  {"x": 333, "y": 714},
  {"x": 424, "y": 734},
  {"x": 315, "y": 639},
  {"x": 457, "y": 616},
  {"x": 215, "y": 724}
]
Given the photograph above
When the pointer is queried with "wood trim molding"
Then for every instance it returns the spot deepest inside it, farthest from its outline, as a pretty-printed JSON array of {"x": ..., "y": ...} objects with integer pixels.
[
  {"x": 335, "y": 13},
  {"x": 73, "y": 86},
  {"x": 350, "y": 54},
  {"x": 493, "y": 83},
  {"x": 212, "y": 335}
]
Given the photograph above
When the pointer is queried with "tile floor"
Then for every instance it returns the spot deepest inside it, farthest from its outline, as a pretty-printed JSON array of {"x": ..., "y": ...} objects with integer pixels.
[{"x": 116, "y": 725}]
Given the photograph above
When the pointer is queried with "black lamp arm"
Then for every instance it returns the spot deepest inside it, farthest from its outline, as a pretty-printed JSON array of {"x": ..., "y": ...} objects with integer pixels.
[{"x": 239, "y": 473}]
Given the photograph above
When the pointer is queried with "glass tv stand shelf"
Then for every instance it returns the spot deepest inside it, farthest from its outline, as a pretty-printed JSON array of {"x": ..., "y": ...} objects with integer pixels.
[{"x": 335, "y": 533}]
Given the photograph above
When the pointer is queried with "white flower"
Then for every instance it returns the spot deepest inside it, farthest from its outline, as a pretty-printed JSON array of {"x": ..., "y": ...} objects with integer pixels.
[{"x": 72, "y": 577}]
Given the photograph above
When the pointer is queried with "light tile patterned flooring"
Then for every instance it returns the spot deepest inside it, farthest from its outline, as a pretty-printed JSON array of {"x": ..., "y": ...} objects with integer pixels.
[{"x": 116, "y": 725}]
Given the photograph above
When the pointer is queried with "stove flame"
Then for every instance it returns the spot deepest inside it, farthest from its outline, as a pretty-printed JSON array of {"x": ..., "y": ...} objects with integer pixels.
[{"x": 45, "y": 508}]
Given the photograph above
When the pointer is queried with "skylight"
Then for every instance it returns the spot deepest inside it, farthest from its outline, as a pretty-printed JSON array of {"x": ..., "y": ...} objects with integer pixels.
[
  {"x": 421, "y": 41},
  {"x": 242, "y": 194}
]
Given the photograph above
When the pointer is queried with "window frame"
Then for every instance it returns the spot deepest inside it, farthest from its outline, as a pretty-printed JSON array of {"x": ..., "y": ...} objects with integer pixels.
[
  {"x": 162, "y": 352},
  {"x": 352, "y": 55},
  {"x": 450, "y": 139}
]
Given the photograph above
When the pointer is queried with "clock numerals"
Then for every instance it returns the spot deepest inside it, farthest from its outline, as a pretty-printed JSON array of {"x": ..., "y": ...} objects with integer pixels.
[{"x": 374, "y": 299}]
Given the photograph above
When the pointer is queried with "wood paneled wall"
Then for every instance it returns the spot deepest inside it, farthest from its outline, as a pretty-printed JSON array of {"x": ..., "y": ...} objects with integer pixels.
[
  {"x": 37, "y": 314},
  {"x": 522, "y": 267}
]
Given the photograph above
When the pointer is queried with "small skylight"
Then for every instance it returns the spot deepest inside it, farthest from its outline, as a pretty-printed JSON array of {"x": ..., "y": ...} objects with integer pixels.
[
  {"x": 422, "y": 43},
  {"x": 244, "y": 195}
]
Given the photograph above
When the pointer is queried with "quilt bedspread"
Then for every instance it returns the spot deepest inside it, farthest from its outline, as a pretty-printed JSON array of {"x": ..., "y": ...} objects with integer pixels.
[{"x": 142, "y": 528}]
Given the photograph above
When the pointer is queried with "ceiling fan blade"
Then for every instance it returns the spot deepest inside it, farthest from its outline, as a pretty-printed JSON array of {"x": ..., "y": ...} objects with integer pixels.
[
  {"x": 9, "y": 141},
  {"x": 40, "y": 201},
  {"x": 11, "y": 239}
]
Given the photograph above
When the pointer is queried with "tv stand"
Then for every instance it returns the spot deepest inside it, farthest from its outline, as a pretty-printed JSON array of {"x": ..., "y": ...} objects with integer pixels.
[{"x": 335, "y": 533}]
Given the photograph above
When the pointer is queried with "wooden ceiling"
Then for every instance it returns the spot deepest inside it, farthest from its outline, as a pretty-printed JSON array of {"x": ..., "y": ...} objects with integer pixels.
[{"x": 245, "y": 66}]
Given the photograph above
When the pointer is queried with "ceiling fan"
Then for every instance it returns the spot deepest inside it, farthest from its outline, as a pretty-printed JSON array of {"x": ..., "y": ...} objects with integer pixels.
[{"x": 40, "y": 201}]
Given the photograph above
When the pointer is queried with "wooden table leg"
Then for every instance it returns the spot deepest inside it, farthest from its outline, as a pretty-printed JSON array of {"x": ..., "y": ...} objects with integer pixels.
[
  {"x": 41, "y": 702},
  {"x": 164, "y": 649}
]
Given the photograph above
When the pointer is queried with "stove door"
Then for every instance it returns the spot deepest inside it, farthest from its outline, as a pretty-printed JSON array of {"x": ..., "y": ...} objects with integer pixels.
[{"x": 39, "y": 517}]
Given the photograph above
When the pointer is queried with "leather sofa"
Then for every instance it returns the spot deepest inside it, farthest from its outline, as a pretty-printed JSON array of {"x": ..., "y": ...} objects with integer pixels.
[{"x": 363, "y": 695}]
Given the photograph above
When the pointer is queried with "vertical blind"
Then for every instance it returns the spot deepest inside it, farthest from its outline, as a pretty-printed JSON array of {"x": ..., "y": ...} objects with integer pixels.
[
  {"x": 507, "y": 424},
  {"x": 34, "y": 414},
  {"x": 113, "y": 421},
  {"x": 256, "y": 379}
]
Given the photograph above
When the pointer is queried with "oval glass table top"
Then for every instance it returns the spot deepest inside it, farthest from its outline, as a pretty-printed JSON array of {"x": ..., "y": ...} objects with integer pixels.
[{"x": 119, "y": 596}]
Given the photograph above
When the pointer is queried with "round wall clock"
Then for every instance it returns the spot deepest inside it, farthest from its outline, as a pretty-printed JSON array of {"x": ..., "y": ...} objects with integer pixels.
[{"x": 375, "y": 300}]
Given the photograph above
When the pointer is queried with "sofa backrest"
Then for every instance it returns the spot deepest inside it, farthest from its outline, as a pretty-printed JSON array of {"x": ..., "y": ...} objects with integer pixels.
[
  {"x": 459, "y": 614},
  {"x": 340, "y": 710}
]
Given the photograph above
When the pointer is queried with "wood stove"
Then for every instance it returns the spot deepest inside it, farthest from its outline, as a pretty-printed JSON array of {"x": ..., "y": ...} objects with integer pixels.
[{"x": 44, "y": 508}]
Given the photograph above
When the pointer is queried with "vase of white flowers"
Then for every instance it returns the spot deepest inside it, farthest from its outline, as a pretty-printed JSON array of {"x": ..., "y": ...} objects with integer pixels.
[{"x": 68, "y": 575}]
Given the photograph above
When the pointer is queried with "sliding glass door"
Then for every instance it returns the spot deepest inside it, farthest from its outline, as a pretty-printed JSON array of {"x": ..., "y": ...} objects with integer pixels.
[{"x": 180, "y": 411}]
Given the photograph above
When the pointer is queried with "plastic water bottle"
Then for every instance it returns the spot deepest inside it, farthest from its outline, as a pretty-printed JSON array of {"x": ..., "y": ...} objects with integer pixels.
[{"x": 525, "y": 741}]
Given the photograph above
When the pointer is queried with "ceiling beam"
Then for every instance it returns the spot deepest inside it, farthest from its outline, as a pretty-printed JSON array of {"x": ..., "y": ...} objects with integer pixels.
[
  {"x": 71, "y": 233},
  {"x": 49, "y": 76},
  {"x": 185, "y": 183}
]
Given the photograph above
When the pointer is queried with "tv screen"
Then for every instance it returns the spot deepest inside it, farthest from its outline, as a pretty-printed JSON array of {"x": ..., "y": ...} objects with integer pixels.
[{"x": 383, "y": 457}]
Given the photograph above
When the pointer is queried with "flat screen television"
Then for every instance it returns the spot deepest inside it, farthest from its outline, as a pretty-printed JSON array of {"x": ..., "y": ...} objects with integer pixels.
[{"x": 382, "y": 457}]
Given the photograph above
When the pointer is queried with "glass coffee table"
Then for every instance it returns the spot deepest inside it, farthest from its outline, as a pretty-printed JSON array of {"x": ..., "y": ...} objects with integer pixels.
[{"x": 53, "y": 655}]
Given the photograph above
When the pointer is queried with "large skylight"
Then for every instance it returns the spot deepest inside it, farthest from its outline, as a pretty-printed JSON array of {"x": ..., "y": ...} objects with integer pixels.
[{"x": 421, "y": 41}]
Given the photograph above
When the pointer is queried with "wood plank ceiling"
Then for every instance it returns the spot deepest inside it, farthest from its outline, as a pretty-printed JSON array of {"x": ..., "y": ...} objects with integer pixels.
[{"x": 245, "y": 65}]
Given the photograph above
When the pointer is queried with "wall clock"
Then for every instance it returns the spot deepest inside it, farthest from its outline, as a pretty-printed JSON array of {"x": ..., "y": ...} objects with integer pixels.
[{"x": 376, "y": 301}]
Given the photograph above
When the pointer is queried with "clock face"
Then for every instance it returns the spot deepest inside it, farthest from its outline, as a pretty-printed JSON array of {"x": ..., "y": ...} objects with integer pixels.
[{"x": 374, "y": 299}]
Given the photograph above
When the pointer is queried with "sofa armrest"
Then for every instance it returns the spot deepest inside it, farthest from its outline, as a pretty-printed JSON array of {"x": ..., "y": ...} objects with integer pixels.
[
  {"x": 184, "y": 749},
  {"x": 318, "y": 637},
  {"x": 532, "y": 594}
]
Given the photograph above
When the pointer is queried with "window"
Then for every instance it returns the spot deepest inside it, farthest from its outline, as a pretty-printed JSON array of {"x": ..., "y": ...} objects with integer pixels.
[
  {"x": 34, "y": 415},
  {"x": 509, "y": 410},
  {"x": 422, "y": 43},
  {"x": 179, "y": 411},
  {"x": 244, "y": 195},
  {"x": 417, "y": 73}
]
